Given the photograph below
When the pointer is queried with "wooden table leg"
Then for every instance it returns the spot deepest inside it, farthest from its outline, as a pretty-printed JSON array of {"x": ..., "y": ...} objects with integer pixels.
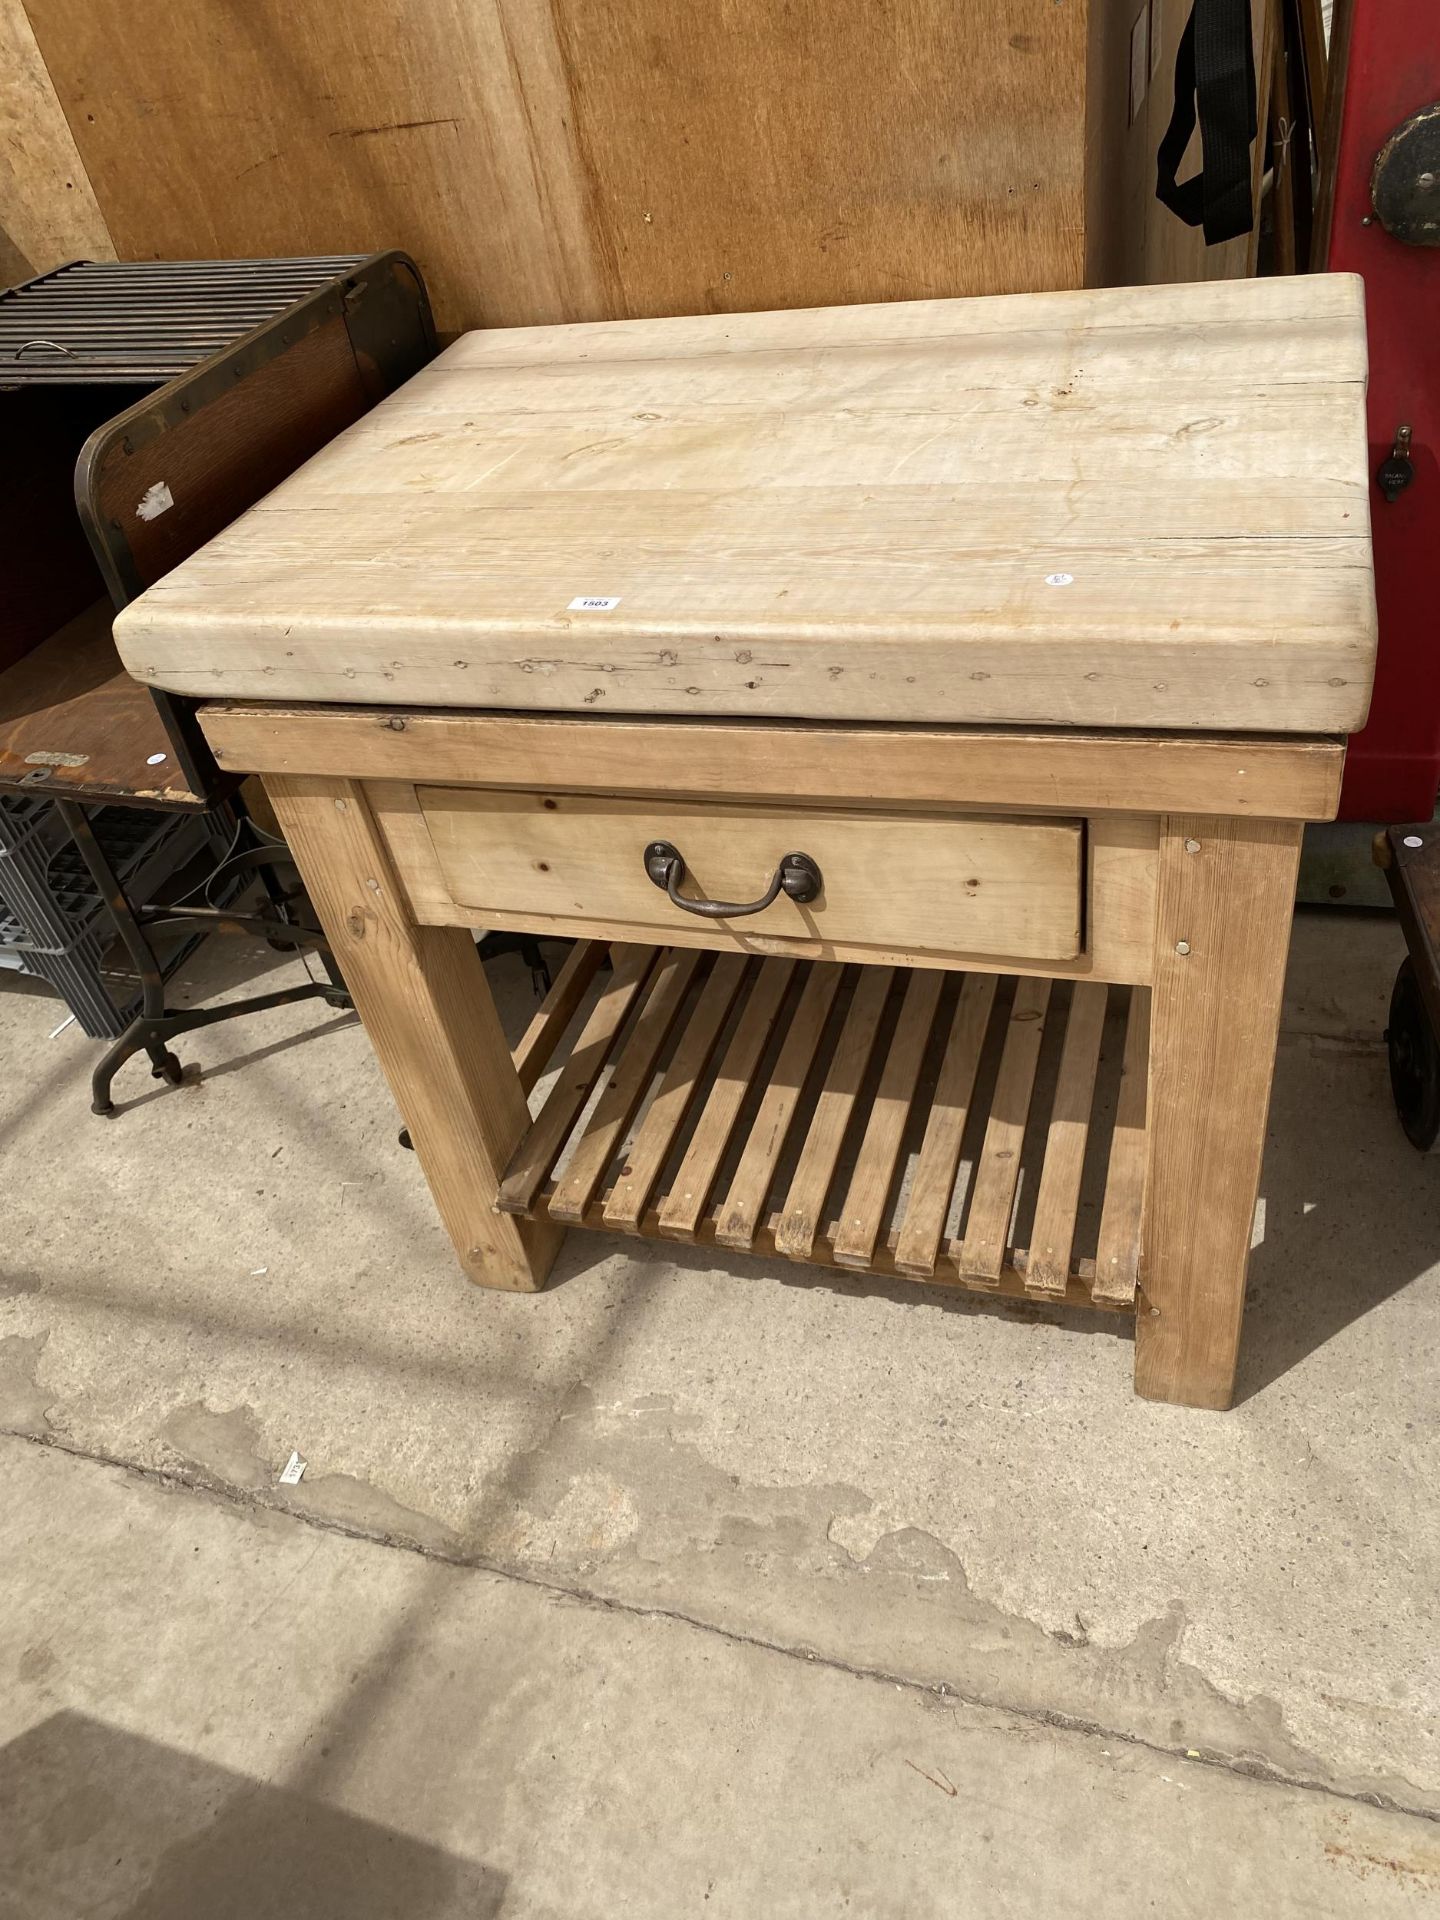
[
  {"x": 427, "y": 1007},
  {"x": 1226, "y": 896}
]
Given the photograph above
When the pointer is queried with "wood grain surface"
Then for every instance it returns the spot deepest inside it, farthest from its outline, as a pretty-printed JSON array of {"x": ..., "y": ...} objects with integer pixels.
[
  {"x": 939, "y": 769},
  {"x": 601, "y": 157},
  {"x": 1140, "y": 507}
]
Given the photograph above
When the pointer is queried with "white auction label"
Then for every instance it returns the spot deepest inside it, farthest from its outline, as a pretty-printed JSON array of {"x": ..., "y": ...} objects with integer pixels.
[{"x": 593, "y": 603}]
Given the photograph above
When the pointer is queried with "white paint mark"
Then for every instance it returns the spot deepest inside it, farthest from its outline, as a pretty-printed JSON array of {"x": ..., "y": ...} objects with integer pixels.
[
  {"x": 155, "y": 501},
  {"x": 1413, "y": 840},
  {"x": 593, "y": 603},
  {"x": 255, "y": 1272},
  {"x": 292, "y": 1470},
  {"x": 1059, "y": 579},
  {"x": 156, "y": 759}
]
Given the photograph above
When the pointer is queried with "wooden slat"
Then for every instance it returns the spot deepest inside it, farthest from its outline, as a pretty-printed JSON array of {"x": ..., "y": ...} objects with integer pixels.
[
  {"x": 861, "y": 1217},
  {"x": 982, "y": 1255},
  {"x": 626, "y": 1087},
  {"x": 815, "y": 1169},
  {"x": 688, "y": 1197},
  {"x": 1053, "y": 1234},
  {"x": 751, "y": 1183},
  {"x": 946, "y": 1274},
  {"x": 629, "y": 1197},
  {"x": 1117, "y": 1254},
  {"x": 545, "y": 1031},
  {"x": 537, "y": 1152},
  {"x": 933, "y": 1185}
]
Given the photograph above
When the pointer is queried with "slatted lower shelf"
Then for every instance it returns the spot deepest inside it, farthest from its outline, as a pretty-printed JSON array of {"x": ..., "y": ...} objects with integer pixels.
[{"x": 963, "y": 1130}]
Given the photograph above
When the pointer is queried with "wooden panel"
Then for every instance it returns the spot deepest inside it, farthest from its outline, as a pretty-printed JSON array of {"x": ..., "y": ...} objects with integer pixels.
[
  {"x": 1143, "y": 507},
  {"x": 1227, "y": 890},
  {"x": 540, "y": 1148},
  {"x": 959, "y": 884},
  {"x": 422, "y": 994},
  {"x": 987, "y": 1228},
  {"x": 222, "y": 458},
  {"x": 292, "y": 127},
  {"x": 72, "y": 719},
  {"x": 862, "y": 1216},
  {"x": 48, "y": 211},
  {"x": 1059, "y": 1195},
  {"x": 594, "y": 157},
  {"x": 803, "y": 1216},
  {"x": 939, "y": 769},
  {"x": 744, "y": 1203},
  {"x": 816, "y": 153},
  {"x": 934, "y": 1180},
  {"x": 690, "y": 1194}
]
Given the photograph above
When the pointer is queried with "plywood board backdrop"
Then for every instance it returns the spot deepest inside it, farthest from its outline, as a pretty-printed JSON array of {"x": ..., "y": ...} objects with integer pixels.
[
  {"x": 48, "y": 211},
  {"x": 552, "y": 160}
]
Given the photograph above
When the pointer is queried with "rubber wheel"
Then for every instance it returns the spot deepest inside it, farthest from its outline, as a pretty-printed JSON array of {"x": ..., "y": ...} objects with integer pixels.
[
  {"x": 1414, "y": 1061},
  {"x": 169, "y": 1069}
]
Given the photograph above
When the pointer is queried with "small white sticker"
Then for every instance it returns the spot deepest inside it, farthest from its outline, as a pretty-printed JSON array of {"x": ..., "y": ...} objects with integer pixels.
[
  {"x": 1413, "y": 840},
  {"x": 155, "y": 759},
  {"x": 291, "y": 1471},
  {"x": 593, "y": 603},
  {"x": 155, "y": 501},
  {"x": 1059, "y": 579}
]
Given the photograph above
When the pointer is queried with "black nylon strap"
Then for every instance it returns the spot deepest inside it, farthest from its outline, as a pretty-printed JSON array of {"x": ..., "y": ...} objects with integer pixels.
[{"x": 1214, "y": 74}]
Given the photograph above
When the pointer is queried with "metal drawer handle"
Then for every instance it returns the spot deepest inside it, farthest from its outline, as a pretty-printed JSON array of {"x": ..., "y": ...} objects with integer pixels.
[{"x": 797, "y": 876}]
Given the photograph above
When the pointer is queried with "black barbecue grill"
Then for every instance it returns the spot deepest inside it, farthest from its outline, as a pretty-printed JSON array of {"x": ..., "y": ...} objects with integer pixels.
[{"x": 141, "y": 322}]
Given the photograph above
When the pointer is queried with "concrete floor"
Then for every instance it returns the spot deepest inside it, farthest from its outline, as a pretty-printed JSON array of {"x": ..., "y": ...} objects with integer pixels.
[{"x": 683, "y": 1585}]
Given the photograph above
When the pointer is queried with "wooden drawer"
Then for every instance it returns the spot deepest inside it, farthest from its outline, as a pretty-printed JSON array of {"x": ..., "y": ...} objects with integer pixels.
[{"x": 920, "y": 883}]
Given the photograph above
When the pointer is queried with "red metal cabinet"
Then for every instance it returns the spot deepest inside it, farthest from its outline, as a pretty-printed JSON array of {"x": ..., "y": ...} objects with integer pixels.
[{"x": 1393, "y": 770}]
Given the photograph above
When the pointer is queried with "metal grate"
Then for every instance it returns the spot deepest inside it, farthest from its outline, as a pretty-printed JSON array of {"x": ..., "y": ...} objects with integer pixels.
[{"x": 137, "y": 322}]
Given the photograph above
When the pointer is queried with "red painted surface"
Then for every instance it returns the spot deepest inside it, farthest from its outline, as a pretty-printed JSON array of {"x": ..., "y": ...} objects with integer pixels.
[{"x": 1393, "y": 769}]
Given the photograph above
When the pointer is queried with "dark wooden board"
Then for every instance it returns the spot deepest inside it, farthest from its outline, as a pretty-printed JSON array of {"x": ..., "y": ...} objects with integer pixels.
[{"x": 71, "y": 699}]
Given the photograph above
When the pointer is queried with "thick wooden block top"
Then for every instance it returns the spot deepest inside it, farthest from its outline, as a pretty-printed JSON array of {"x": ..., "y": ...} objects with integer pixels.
[{"x": 1123, "y": 508}]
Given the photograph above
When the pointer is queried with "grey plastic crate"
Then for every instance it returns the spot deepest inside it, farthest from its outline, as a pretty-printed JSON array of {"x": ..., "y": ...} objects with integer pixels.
[{"x": 53, "y": 921}]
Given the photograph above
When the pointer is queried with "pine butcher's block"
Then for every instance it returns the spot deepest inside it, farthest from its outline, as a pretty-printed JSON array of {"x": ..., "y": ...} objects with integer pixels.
[
  {"x": 910, "y": 713},
  {"x": 1124, "y": 508}
]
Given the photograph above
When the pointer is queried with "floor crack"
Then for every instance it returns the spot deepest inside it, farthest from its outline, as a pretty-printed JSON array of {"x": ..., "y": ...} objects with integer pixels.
[{"x": 1243, "y": 1766}]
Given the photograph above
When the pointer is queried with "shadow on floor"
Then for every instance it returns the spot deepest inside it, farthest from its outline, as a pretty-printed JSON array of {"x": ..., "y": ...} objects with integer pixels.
[
  {"x": 1351, "y": 1210},
  {"x": 100, "y": 1822}
]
